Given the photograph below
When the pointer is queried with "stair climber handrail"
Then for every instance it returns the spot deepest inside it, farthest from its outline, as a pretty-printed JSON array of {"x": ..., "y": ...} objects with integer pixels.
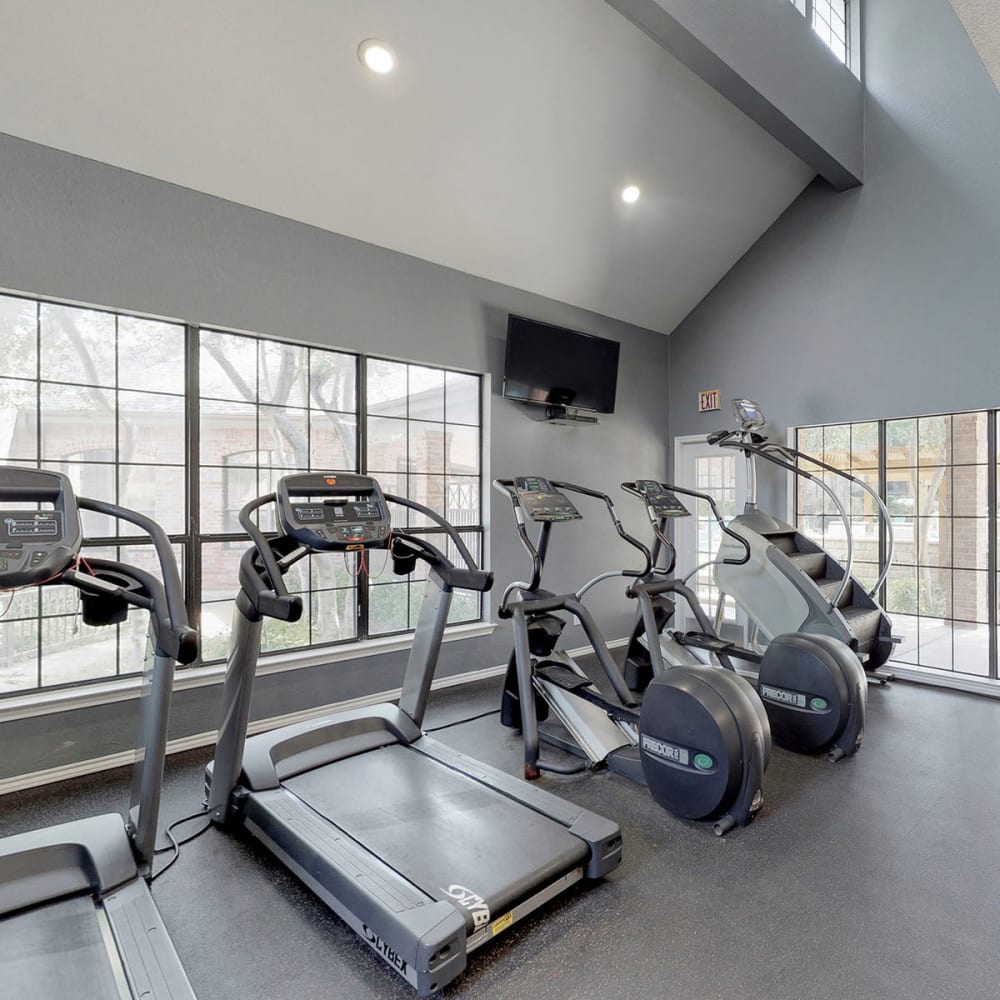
[
  {"x": 884, "y": 516},
  {"x": 761, "y": 451}
]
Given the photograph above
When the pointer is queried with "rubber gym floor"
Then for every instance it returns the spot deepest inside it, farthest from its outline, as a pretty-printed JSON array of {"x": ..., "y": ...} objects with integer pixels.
[{"x": 873, "y": 878}]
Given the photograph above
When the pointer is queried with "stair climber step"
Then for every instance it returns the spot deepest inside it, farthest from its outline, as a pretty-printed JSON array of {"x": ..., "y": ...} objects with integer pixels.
[
  {"x": 829, "y": 585},
  {"x": 813, "y": 564},
  {"x": 784, "y": 540},
  {"x": 865, "y": 623}
]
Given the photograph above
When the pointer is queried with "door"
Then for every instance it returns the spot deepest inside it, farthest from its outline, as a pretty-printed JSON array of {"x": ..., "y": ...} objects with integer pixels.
[{"x": 722, "y": 474}]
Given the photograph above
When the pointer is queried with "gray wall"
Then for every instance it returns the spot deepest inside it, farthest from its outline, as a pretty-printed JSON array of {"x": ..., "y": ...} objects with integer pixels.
[
  {"x": 76, "y": 229},
  {"x": 883, "y": 301},
  {"x": 764, "y": 57}
]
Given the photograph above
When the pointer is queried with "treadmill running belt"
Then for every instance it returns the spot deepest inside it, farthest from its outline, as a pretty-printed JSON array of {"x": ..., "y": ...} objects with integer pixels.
[
  {"x": 441, "y": 829},
  {"x": 56, "y": 952}
]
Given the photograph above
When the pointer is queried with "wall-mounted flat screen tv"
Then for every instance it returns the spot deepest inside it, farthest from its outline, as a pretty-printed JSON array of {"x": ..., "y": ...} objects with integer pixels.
[{"x": 559, "y": 367}]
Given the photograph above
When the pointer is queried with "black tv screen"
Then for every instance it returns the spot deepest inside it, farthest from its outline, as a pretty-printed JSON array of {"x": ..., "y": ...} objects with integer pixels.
[{"x": 559, "y": 367}]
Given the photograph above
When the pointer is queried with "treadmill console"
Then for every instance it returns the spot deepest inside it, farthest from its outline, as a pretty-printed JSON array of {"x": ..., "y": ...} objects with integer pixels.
[
  {"x": 660, "y": 500},
  {"x": 333, "y": 511},
  {"x": 542, "y": 501},
  {"x": 36, "y": 545}
]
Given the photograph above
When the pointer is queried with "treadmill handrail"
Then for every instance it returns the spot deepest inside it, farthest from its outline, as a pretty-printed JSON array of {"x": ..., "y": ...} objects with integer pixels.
[
  {"x": 167, "y": 594},
  {"x": 263, "y": 565}
]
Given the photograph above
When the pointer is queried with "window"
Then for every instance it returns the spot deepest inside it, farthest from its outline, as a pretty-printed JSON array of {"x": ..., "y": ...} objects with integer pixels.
[
  {"x": 268, "y": 409},
  {"x": 109, "y": 399},
  {"x": 423, "y": 442},
  {"x": 99, "y": 397},
  {"x": 829, "y": 19},
  {"x": 934, "y": 474},
  {"x": 715, "y": 475}
]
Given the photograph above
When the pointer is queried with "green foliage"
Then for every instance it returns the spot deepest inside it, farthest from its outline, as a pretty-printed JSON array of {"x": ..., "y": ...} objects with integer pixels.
[{"x": 907, "y": 596}]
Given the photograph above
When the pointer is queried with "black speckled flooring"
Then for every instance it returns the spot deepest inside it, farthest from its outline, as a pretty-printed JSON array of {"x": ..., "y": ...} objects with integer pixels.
[{"x": 874, "y": 878}]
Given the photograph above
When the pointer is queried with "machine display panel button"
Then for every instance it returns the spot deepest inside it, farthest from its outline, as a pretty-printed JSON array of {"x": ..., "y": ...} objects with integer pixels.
[
  {"x": 309, "y": 513},
  {"x": 36, "y": 527}
]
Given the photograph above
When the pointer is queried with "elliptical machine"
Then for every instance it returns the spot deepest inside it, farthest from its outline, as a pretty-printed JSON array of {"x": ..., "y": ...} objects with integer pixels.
[
  {"x": 700, "y": 741},
  {"x": 812, "y": 686}
]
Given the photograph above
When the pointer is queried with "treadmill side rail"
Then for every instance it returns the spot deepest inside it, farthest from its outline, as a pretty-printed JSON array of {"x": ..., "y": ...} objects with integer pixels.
[
  {"x": 152, "y": 966},
  {"x": 422, "y": 939},
  {"x": 602, "y": 836}
]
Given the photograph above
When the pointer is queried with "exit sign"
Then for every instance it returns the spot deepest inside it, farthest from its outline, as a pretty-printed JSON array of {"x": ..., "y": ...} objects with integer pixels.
[{"x": 708, "y": 400}]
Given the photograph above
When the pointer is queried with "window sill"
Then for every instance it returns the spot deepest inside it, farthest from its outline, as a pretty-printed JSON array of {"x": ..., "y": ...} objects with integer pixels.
[
  {"x": 128, "y": 688},
  {"x": 934, "y": 677}
]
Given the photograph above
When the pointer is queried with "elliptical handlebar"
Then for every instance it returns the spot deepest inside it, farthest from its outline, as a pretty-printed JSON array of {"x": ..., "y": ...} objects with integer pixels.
[
  {"x": 619, "y": 527},
  {"x": 726, "y": 530},
  {"x": 506, "y": 486}
]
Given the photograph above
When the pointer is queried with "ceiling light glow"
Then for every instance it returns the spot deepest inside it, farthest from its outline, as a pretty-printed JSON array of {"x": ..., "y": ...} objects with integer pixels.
[
  {"x": 630, "y": 194},
  {"x": 376, "y": 55}
]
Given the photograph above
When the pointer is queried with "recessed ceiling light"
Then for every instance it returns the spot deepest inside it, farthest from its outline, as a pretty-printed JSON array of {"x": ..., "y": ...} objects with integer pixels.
[
  {"x": 376, "y": 55},
  {"x": 630, "y": 194}
]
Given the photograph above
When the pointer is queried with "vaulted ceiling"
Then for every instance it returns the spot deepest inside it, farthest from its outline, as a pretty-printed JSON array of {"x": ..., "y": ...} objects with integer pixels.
[
  {"x": 499, "y": 146},
  {"x": 982, "y": 22}
]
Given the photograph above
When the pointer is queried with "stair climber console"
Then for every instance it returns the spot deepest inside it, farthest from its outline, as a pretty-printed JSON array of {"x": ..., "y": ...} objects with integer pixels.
[{"x": 790, "y": 583}]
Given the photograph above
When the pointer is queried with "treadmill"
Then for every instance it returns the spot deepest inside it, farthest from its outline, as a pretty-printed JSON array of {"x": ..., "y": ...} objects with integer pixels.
[
  {"x": 426, "y": 853},
  {"x": 76, "y": 915}
]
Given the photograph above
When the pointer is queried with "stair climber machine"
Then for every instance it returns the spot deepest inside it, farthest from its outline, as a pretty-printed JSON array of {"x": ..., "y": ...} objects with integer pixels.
[
  {"x": 789, "y": 583},
  {"x": 76, "y": 915},
  {"x": 426, "y": 853},
  {"x": 812, "y": 687},
  {"x": 700, "y": 740}
]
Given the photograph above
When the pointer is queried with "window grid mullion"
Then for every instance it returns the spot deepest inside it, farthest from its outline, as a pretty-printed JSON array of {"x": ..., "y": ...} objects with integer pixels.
[
  {"x": 991, "y": 537},
  {"x": 192, "y": 458},
  {"x": 361, "y": 463},
  {"x": 191, "y": 539},
  {"x": 38, "y": 463}
]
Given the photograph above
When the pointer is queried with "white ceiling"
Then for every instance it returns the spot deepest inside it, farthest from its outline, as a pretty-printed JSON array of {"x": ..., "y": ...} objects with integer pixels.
[
  {"x": 982, "y": 22},
  {"x": 498, "y": 147}
]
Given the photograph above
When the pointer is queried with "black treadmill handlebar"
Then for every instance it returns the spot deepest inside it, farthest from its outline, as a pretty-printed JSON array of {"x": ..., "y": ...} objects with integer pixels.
[
  {"x": 274, "y": 575},
  {"x": 467, "y": 578},
  {"x": 264, "y": 564},
  {"x": 173, "y": 617},
  {"x": 443, "y": 523},
  {"x": 178, "y": 641}
]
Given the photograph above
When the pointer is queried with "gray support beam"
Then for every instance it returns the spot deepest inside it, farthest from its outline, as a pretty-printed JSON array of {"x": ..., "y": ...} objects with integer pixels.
[{"x": 764, "y": 58}]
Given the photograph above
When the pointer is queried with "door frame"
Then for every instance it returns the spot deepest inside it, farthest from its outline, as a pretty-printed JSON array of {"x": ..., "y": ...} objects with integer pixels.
[{"x": 685, "y": 531}]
